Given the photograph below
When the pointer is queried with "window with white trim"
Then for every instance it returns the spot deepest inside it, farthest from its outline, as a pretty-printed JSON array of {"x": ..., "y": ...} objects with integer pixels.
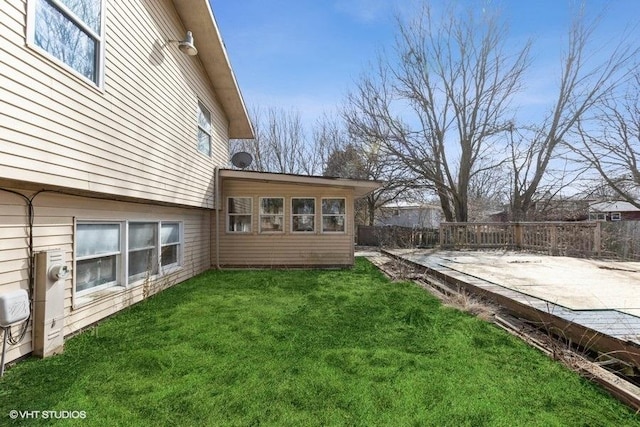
[
  {"x": 240, "y": 211},
  {"x": 303, "y": 214},
  {"x": 98, "y": 255},
  {"x": 204, "y": 130},
  {"x": 103, "y": 249},
  {"x": 271, "y": 214},
  {"x": 616, "y": 216},
  {"x": 333, "y": 215},
  {"x": 170, "y": 242},
  {"x": 72, "y": 32},
  {"x": 142, "y": 259}
]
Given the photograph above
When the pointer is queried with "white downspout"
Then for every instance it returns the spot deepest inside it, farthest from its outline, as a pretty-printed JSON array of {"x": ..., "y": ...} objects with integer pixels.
[{"x": 217, "y": 208}]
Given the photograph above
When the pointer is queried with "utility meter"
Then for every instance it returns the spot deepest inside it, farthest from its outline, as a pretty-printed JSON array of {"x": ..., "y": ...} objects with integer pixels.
[{"x": 58, "y": 272}]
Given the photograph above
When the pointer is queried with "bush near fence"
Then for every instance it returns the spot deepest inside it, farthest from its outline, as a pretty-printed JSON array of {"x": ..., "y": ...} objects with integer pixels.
[{"x": 394, "y": 236}]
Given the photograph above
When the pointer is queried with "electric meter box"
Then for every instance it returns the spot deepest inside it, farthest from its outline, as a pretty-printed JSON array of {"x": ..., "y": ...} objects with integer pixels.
[{"x": 14, "y": 307}]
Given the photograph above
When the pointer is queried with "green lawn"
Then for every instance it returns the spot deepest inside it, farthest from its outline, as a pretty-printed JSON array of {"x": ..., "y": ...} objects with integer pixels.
[{"x": 302, "y": 348}]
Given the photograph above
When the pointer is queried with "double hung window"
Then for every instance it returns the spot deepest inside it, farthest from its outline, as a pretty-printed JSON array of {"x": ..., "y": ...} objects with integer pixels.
[
  {"x": 271, "y": 215},
  {"x": 333, "y": 215},
  {"x": 204, "y": 130},
  {"x": 303, "y": 214},
  {"x": 240, "y": 214},
  {"x": 71, "y": 31}
]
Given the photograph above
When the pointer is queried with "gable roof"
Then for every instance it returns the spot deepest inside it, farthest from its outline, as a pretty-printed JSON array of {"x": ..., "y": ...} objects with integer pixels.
[
  {"x": 360, "y": 187},
  {"x": 197, "y": 17}
]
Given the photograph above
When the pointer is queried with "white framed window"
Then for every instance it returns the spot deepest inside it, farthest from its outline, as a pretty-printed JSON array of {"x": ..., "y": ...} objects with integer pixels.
[
  {"x": 98, "y": 256},
  {"x": 334, "y": 215},
  {"x": 170, "y": 244},
  {"x": 120, "y": 253},
  {"x": 271, "y": 214},
  {"x": 142, "y": 253},
  {"x": 240, "y": 214},
  {"x": 616, "y": 216},
  {"x": 204, "y": 130},
  {"x": 71, "y": 32},
  {"x": 303, "y": 215},
  {"x": 596, "y": 216}
]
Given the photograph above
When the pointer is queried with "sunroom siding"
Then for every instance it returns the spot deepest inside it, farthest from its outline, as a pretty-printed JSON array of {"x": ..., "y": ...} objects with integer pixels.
[
  {"x": 136, "y": 137},
  {"x": 257, "y": 249}
]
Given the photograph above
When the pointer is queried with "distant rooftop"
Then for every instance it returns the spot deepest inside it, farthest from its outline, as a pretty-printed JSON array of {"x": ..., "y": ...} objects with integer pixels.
[{"x": 613, "y": 206}]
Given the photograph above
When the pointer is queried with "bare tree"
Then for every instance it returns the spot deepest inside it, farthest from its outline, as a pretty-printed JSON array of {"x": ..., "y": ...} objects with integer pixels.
[
  {"x": 452, "y": 81},
  {"x": 328, "y": 136},
  {"x": 582, "y": 86},
  {"x": 280, "y": 144},
  {"x": 611, "y": 143}
]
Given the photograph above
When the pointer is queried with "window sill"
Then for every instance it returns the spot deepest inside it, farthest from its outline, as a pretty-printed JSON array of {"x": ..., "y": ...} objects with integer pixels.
[{"x": 81, "y": 301}]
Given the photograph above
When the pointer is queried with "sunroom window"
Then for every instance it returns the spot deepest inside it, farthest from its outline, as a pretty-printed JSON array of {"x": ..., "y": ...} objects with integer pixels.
[
  {"x": 333, "y": 215},
  {"x": 240, "y": 214},
  {"x": 303, "y": 213},
  {"x": 72, "y": 32},
  {"x": 271, "y": 215},
  {"x": 98, "y": 255}
]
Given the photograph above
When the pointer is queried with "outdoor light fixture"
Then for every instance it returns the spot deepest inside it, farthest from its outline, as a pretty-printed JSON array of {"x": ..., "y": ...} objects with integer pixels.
[{"x": 186, "y": 46}]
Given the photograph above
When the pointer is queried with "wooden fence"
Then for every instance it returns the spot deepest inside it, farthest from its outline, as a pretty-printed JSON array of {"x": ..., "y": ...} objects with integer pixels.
[
  {"x": 555, "y": 238},
  {"x": 580, "y": 239}
]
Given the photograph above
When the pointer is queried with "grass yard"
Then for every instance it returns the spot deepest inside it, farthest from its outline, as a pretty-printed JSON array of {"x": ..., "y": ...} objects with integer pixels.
[{"x": 302, "y": 348}]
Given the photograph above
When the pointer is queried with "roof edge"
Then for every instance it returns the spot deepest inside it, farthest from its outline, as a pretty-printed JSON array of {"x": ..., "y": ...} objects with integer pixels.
[
  {"x": 198, "y": 17},
  {"x": 361, "y": 187}
]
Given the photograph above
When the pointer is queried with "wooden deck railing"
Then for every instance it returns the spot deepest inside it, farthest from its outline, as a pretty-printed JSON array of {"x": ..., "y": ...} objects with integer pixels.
[{"x": 556, "y": 238}]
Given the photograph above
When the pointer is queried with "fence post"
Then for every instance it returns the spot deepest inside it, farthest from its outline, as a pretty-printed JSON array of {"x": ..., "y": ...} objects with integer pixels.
[
  {"x": 517, "y": 235},
  {"x": 597, "y": 238},
  {"x": 553, "y": 239}
]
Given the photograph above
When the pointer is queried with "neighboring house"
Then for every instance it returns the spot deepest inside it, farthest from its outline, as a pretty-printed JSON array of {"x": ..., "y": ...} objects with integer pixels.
[
  {"x": 407, "y": 214},
  {"x": 111, "y": 144},
  {"x": 613, "y": 211}
]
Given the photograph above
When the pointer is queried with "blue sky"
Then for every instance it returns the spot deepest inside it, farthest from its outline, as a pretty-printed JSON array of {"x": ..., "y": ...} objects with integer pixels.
[{"x": 306, "y": 54}]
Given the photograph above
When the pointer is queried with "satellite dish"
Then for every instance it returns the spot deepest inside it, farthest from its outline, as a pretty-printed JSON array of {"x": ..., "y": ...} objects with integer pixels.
[{"x": 241, "y": 159}]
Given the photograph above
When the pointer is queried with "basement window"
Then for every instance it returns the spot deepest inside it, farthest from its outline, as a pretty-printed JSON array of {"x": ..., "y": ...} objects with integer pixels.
[
  {"x": 143, "y": 250},
  {"x": 98, "y": 255}
]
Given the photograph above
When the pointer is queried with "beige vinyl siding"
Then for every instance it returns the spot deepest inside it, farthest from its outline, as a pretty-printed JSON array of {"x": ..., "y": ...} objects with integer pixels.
[
  {"x": 287, "y": 248},
  {"x": 53, "y": 229},
  {"x": 136, "y": 137}
]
